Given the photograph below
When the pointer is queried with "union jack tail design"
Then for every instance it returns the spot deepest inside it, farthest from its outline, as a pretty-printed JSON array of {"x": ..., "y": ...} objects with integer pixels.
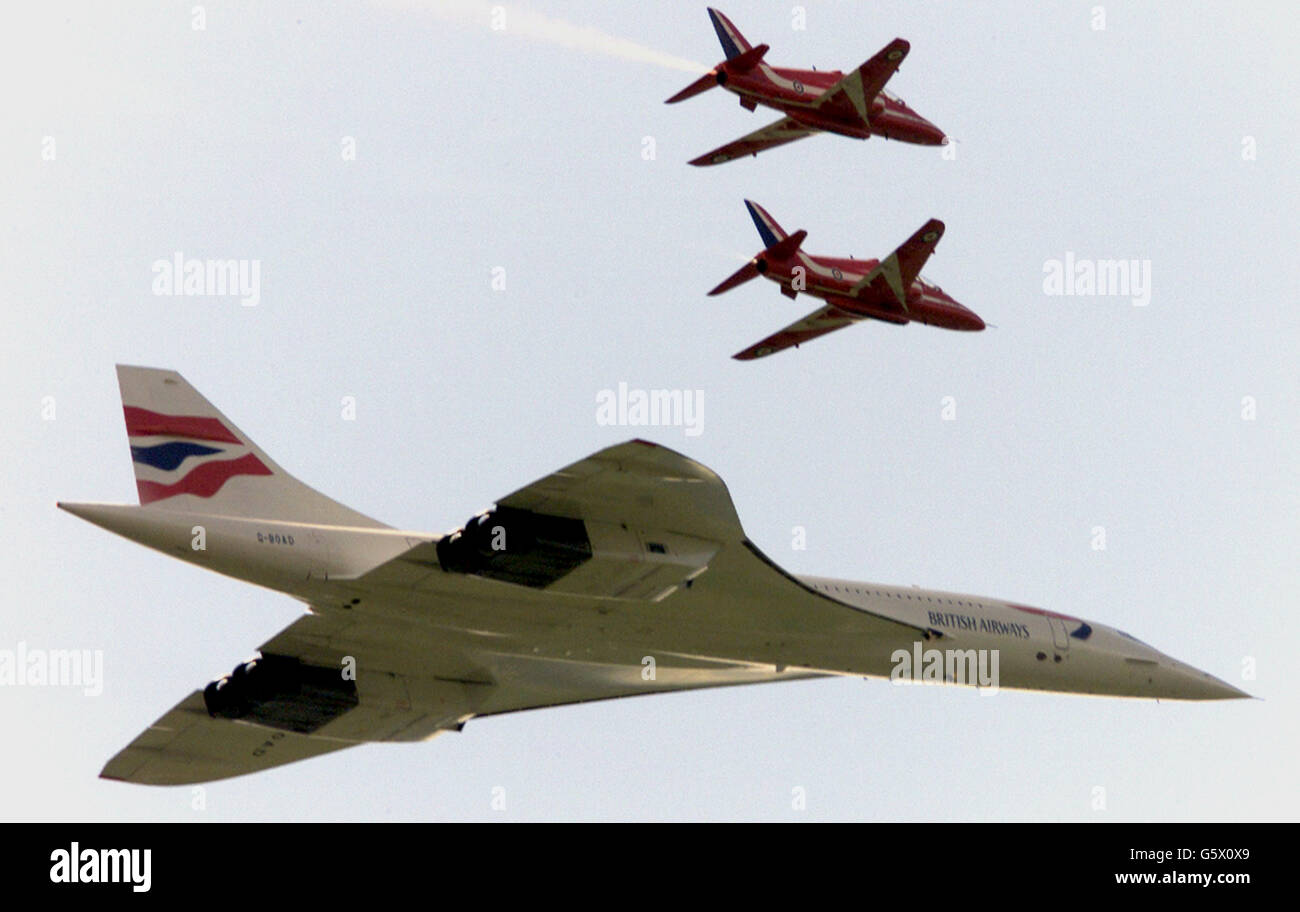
[{"x": 188, "y": 456}]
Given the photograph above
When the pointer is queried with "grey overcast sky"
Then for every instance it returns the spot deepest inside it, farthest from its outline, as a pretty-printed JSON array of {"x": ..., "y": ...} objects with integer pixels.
[{"x": 541, "y": 153}]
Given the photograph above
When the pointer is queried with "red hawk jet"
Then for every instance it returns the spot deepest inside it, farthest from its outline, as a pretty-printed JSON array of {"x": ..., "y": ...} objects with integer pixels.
[
  {"x": 891, "y": 289},
  {"x": 814, "y": 101}
]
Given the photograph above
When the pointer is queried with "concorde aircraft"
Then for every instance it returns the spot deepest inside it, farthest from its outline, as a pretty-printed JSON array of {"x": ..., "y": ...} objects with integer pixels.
[
  {"x": 558, "y": 594},
  {"x": 855, "y": 104}
]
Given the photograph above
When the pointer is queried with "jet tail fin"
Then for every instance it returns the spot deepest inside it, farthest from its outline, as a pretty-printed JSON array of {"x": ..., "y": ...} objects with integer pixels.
[
  {"x": 746, "y": 61},
  {"x": 758, "y": 265},
  {"x": 768, "y": 229},
  {"x": 740, "y": 58},
  {"x": 733, "y": 43},
  {"x": 708, "y": 81},
  {"x": 188, "y": 456},
  {"x": 739, "y": 277},
  {"x": 786, "y": 247}
]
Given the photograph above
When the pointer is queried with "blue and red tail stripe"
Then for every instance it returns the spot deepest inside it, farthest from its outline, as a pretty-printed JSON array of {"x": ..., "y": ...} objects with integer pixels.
[
  {"x": 733, "y": 43},
  {"x": 770, "y": 238},
  {"x": 169, "y": 456},
  {"x": 203, "y": 480},
  {"x": 141, "y": 422}
]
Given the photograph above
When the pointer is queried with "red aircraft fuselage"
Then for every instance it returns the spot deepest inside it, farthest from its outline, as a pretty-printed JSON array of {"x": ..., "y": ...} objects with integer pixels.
[
  {"x": 794, "y": 92},
  {"x": 832, "y": 279}
]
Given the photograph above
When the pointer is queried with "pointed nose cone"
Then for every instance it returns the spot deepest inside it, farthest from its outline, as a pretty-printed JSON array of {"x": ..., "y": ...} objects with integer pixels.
[
  {"x": 922, "y": 131},
  {"x": 1164, "y": 678},
  {"x": 932, "y": 135},
  {"x": 1193, "y": 684},
  {"x": 960, "y": 316}
]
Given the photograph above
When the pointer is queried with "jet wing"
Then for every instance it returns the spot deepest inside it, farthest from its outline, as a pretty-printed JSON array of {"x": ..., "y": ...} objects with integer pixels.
[
  {"x": 186, "y": 745},
  {"x": 304, "y": 707},
  {"x": 654, "y": 485},
  {"x": 852, "y": 96},
  {"x": 412, "y": 682},
  {"x": 431, "y": 648},
  {"x": 828, "y": 319},
  {"x": 889, "y": 281},
  {"x": 785, "y": 130}
]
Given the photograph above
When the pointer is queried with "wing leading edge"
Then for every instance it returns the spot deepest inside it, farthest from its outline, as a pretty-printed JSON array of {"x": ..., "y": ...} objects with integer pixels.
[
  {"x": 892, "y": 277},
  {"x": 852, "y": 96},
  {"x": 432, "y": 649},
  {"x": 785, "y": 130},
  {"x": 824, "y": 320}
]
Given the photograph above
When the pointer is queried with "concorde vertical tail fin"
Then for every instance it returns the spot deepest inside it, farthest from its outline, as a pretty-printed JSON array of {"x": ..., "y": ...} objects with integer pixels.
[{"x": 188, "y": 456}]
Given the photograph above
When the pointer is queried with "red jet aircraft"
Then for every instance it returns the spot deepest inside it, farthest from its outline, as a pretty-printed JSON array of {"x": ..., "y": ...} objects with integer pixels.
[
  {"x": 891, "y": 289},
  {"x": 814, "y": 101}
]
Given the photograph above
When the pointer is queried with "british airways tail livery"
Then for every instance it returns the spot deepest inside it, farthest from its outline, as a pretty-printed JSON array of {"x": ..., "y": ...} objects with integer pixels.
[{"x": 555, "y": 595}]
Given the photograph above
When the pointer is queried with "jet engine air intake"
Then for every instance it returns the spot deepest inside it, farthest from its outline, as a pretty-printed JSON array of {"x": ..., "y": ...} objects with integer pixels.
[
  {"x": 281, "y": 692},
  {"x": 516, "y": 546}
]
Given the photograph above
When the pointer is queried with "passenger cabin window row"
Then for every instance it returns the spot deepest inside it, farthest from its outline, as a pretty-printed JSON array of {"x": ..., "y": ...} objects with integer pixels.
[{"x": 883, "y": 593}]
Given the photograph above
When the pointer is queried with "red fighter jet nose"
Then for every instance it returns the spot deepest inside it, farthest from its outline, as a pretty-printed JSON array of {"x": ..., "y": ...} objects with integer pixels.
[
  {"x": 971, "y": 322},
  {"x": 931, "y": 135},
  {"x": 920, "y": 130}
]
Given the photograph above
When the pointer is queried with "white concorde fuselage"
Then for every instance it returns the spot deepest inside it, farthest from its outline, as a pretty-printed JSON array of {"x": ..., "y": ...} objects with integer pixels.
[{"x": 322, "y": 565}]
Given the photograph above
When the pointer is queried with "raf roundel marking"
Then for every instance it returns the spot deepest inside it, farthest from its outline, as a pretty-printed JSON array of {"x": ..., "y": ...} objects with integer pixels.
[
  {"x": 837, "y": 273},
  {"x": 929, "y": 236}
]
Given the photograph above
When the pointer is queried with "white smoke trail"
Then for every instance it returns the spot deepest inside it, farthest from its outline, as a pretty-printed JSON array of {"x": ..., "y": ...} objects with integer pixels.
[{"x": 534, "y": 26}]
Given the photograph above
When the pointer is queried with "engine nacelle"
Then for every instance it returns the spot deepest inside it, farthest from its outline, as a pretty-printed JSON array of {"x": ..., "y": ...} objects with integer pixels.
[
  {"x": 565, "y": 554},
  {"x": 516, "y": 546},
  {"x": 281, "y": 692}
]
